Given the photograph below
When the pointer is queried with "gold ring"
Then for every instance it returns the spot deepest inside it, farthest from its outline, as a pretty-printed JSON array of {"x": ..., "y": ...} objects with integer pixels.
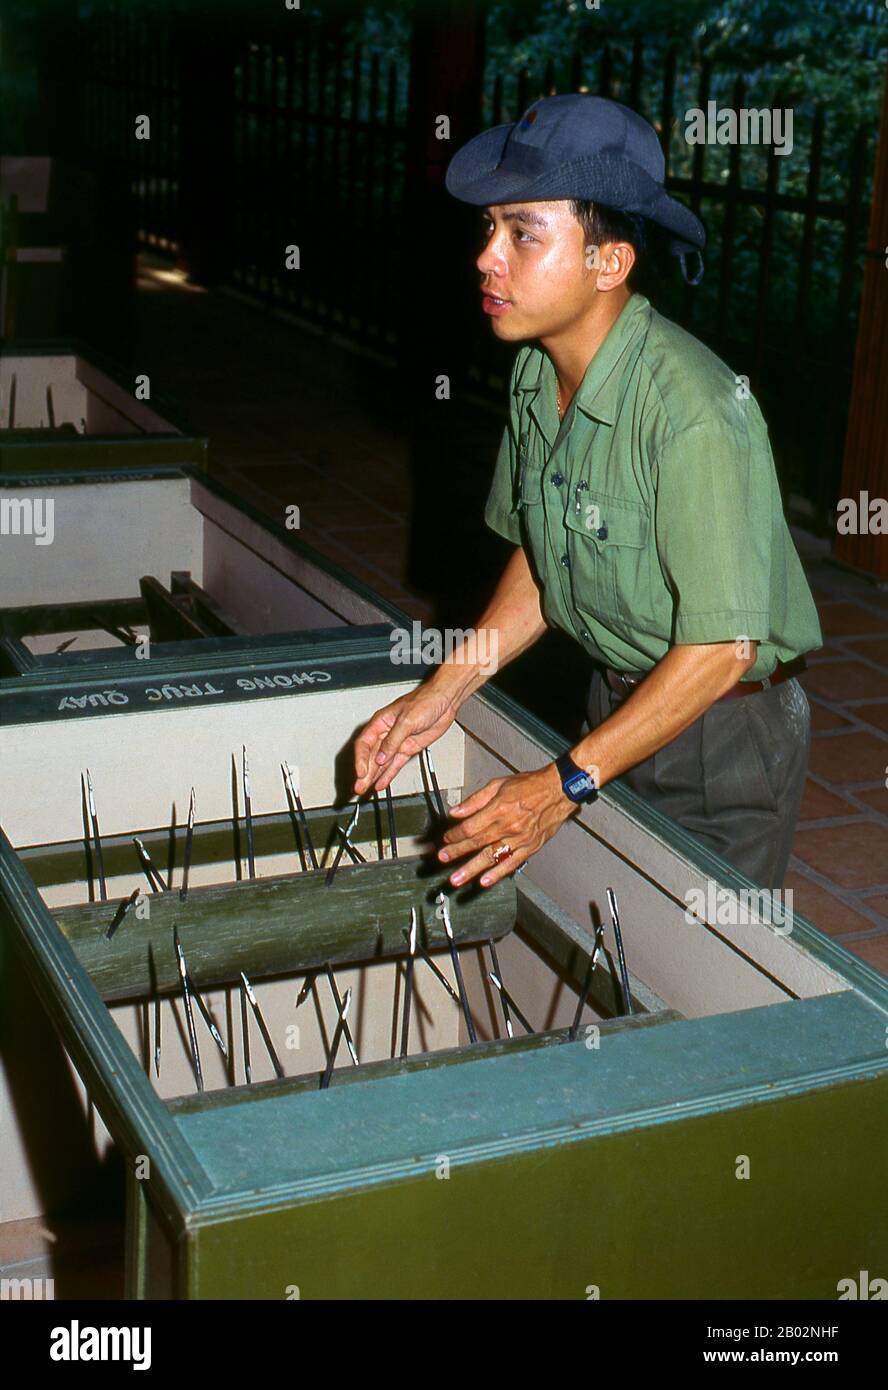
[{"x": 502, "y": 852}]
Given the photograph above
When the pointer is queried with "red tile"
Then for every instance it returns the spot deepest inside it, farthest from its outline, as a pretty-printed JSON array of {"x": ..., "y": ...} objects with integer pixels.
[
  {"x": 874, "y": 649},
  {"x": 854, "y": 757},
  {"x": 823, "y": 718},
  {"x": 845, "y": 680},
  {"x": 848, "y": 620},
  {"x": 824, "y": 909},
  {"x": 817, "y": 804},
  {"x": 874, "y": 950},
  {"x": 874, "y": 714},
  {"x": 877, "y": 798},
  {"x": 853, "y": 856}
]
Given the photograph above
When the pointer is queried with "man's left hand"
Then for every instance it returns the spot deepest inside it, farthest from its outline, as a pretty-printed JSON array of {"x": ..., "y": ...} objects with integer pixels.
[{"x": 523, "y": 811}]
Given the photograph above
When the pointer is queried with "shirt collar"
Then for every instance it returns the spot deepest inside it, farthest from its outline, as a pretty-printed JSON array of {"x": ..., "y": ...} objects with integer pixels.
[{"x": 598, "y": 394}]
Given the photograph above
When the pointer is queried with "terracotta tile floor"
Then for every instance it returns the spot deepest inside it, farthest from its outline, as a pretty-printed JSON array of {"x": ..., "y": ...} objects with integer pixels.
[{"x": 292, "y": 417}]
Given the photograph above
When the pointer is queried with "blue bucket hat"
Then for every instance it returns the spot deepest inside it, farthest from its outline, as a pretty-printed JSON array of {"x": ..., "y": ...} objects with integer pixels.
[{"x": 577, "y": 146}]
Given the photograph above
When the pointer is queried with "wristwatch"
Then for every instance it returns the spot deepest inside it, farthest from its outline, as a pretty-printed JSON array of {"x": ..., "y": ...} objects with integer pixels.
[{"x": 575, "y": 783}]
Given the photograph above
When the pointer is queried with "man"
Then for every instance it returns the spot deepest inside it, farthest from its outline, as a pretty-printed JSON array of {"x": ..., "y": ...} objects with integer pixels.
[{"x": 636, "y": 481}]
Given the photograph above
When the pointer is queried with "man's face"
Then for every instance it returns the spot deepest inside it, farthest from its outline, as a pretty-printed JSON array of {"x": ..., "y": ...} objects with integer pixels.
[{"x": 534, "y": 258}]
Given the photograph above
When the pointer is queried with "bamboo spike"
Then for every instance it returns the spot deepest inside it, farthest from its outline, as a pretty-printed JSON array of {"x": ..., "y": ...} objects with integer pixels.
[
  {"x": 454, "y": 956},
  {"x": 587, "y": 983},
  {"x": 337, "y": 1038},
  {"x": 408, "y": 983},
  {"x": 189, "y": 1012},
  {"x": 621, "y": 959},
  {"x": 97, "y": 838},
  {"x": 263, "y": 1027},
  {"x": 189, "y": 840},
  {"x": 510, "y": 1001}
]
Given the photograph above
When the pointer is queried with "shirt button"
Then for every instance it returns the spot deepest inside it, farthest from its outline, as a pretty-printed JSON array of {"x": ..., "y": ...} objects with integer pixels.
[
  {"x": 557, "y": 479},
  {"x": 565, "y": 561},
  {"x": 584, "y": 634}
]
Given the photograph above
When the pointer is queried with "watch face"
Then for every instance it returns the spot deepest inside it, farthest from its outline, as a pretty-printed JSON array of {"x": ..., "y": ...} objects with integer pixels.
[{"x": 580, "y": 784}]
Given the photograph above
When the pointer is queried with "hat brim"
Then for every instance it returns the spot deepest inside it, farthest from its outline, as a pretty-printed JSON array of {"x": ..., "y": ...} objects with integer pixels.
[{"x": 478, "y": 174}]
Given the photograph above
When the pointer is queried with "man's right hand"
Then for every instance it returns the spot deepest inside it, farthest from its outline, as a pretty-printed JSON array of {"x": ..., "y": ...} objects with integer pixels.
[{"x": 396, "y": 733}]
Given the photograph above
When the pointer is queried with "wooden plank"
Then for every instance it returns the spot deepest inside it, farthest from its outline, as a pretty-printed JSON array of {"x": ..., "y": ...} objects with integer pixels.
[
  {"x": 279, "y": 925},
  {"x": 402, "y": 1066},
  {"x": 166, "y": 613}
]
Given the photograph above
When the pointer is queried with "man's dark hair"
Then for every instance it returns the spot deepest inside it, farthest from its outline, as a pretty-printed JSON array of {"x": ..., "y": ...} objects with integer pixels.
[{"x": 602, "y": 224}]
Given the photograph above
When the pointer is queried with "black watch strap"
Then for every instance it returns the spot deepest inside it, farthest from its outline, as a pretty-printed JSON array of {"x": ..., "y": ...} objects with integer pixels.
[{"x": 576, "y": 784}]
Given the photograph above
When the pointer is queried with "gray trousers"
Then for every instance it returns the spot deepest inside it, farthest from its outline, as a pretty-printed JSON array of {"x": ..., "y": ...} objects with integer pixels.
[{"x": 734, "y": 778}]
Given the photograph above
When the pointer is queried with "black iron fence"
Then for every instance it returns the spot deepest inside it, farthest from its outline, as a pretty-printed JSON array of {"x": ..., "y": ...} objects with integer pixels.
[{"x": 309, "y": 133}]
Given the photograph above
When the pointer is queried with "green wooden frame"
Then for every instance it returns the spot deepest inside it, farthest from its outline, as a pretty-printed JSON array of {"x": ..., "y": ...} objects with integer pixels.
[
  {"x": 563, "y": 1175},
  {"x": 22, "y": 454}
]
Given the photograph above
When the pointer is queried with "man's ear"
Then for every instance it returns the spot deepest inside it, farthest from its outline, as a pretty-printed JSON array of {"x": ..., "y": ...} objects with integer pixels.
[{"x": 616, "y": 261}]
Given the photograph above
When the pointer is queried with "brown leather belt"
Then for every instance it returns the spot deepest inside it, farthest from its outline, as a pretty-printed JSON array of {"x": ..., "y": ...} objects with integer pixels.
[{"x": 625, "y": 681}]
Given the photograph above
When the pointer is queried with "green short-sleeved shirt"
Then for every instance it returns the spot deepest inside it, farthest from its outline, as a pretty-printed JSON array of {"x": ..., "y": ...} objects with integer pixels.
[{"x": 652, "y": 514}]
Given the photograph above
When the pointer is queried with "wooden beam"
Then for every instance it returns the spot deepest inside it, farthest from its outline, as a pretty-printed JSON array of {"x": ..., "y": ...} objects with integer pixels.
[{"x": 281, "y": 925}]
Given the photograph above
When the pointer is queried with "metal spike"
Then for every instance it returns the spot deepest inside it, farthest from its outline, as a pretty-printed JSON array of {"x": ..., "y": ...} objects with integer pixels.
[
  {"x": 390, "y": 811},
  {"x": 189, "y": 1012},
  {"x": 151, "y": 873},
  {"x": 505, "y": 1007},
  {"x": 189, "y": 840},
  {"x": 157, "y": 1003},
  {"x": 377, "y": 809},
  {"x": 263, "y": 1028},
  {"x": 454, "y": 956},
  {"x": 100, "y": 862},
  {"x": 245, "y": 1035},
  {"x": 337, "y": 1038},
  {"x": 208, "y": 1020},
  {"x": 621, "y": 959},
  {"x": 248, "y": 816},
  {"x": 349, "y": 1040},
  {"x": 408, "y": 983},
  {"x": 300, "y": 811},
  {"x": 430, "y": 962},
  {"x": 498, "y": 984},
  {"x": 121, "y": 912},
  {"x": 442, "y": 809},
  {"x": 587, "y": 983}
]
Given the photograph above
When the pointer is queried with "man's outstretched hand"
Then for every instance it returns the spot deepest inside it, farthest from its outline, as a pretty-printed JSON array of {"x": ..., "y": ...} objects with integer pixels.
[
  {"x": 524, "y": 811},
  {"x": 396, "y": 733}
]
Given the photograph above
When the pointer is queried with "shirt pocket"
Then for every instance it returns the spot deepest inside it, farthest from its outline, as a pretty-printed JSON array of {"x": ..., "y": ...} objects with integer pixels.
[{"x": 608, "y": 549}]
